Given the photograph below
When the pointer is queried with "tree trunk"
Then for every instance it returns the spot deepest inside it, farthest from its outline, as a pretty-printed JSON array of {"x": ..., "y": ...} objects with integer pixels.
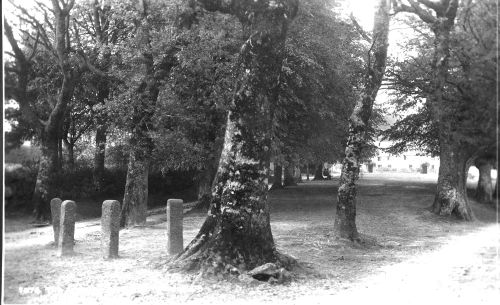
[
  {"x": 484, "y": 190},
  {"x": 345, "y": 218},
  {"x": 278, "y": 177},
  {"x": 289, "y": 176},
  {"x": 100, "y": 155},
  {"x": 237, "y": 233},
  {"x": 307, "y": 171},
  {"x": 495, "y": 192},
  {"x": 60, "y": 155},
  {"x": 318, "y": 174},
  {"x": 45, "y": 186},
  {"x": 135, "y": 199},
  {"x": 205, "y": 183},
  {"x": 297, "y": 174},
  {"x": 451, "y": 191},
  {"x": 71, "y": 153}
]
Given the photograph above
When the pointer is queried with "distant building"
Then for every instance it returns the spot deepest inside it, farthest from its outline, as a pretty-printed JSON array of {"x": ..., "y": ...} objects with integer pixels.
[{"x": 407, "y": 162}]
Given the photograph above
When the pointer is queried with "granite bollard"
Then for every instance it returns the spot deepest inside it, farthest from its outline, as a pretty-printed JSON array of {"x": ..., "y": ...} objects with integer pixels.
[
  {"x": 110, "y": 228},
  {"x": 55, "y": 211},
  {"x": 174, "y": 226},
  {"x": 67, "y": 228}
]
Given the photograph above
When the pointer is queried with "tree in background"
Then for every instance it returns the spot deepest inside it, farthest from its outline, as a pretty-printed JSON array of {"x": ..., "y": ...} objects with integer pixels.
[
  {"x": 345, "y": 217},
  {"x": 318, "y": 86},
  {"x": 458, "y": 125},
  {"x": 53, "y": 36}
]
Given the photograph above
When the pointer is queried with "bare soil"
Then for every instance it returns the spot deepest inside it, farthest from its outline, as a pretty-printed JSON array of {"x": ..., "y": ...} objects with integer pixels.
[{"x": 414, "y": 257}]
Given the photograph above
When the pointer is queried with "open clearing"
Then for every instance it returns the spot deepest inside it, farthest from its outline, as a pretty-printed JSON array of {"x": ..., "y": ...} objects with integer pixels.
[{"x": 418, "y": 257}]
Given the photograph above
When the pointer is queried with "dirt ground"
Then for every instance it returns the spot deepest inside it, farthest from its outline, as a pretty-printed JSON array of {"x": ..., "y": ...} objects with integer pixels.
[{"x": 418, "y": 257}]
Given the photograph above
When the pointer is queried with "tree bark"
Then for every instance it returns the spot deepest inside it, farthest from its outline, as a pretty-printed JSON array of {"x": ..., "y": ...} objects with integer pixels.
[
  {"x": 101, "y": 22},
  {"x": 100, "y": 155},
  {"x": 50, "y": 163},
  {"x": 278, "y": 177},
  {"x": 135, "y": 199},
  {"x": 289, "y": 176},
  {"x": 345, "y": 218},
  {"x": 297, "y": 174},
  {"x": 451, "y": 197},
  {"x": 495, "y": 191},
  {"x": 318, "y": 174},
  {"x": 451, "y": 191},
  {"x": 45, "y": 186},
  {"x": 237, "y": 233},
  {"x": 484, "y": 190}
]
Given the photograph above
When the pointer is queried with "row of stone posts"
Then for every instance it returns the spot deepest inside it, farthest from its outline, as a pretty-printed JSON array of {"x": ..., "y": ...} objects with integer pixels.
[{"x": 63, "y": 223}]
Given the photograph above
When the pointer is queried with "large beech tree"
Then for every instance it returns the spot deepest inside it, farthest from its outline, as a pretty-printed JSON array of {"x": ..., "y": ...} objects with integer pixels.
[
  {"x": 237, "y": 231},
  {"x": 345, "y": 218},
  {"x": 458, "y": 93}
]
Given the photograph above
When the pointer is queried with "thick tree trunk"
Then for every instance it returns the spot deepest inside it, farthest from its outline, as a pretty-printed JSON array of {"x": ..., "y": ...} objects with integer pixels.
[
  {"x": 484, "y": 190},
  {"x": 99, "y": 155},
  {"x": 289, "y": 176},
  {"x": 237, "y": 232},
  {"x": 45, "y": 186},
  {"x": 451, "y": 191},
  {"x": 345, "y": 218},
  {"x": 318, "y": 174},
  {"x": 278, "y": 177}
]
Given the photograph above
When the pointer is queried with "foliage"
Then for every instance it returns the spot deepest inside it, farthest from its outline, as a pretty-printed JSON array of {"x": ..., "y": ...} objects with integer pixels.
[
  {"x": 470, "y": 94},
  {"x": 320, "y": 75}
]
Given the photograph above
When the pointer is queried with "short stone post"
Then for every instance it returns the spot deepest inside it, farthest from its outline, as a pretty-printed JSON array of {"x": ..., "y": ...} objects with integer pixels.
[
  {"x": 67, "y": 228},
  {"x": 110, "y": 228},
  {"x": 55, "y": 210},
  {"x": 174, "y": 226}
]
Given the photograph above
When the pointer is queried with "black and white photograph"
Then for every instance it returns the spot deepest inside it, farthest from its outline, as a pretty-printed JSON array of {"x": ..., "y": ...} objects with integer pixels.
[{"x": 250, "y": 152}]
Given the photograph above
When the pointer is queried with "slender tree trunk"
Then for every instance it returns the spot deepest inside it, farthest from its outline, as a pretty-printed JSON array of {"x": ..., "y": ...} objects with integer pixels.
[
  {"x": 71, "y": 155},
  {"x": 278, "y": 177},
  {"x": 495, "y": 191},
  {"x": 237, "y": 233},
  {"x": 484, "y": 190},
  {"x": 297, "y": 174},
  {"x": 318, "y": 174},
  {"x": 135, "y": 199},
  {"x": 60, "y": 155},
  {"x": 71, "y": 152},
  {"x": 307, "y": 171},
  {"x": 289, "y": 176},
  {"x": 100, "y": 155},
  {"x": 101, "y": 15},
  {"x": 345, "y": 218}
]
